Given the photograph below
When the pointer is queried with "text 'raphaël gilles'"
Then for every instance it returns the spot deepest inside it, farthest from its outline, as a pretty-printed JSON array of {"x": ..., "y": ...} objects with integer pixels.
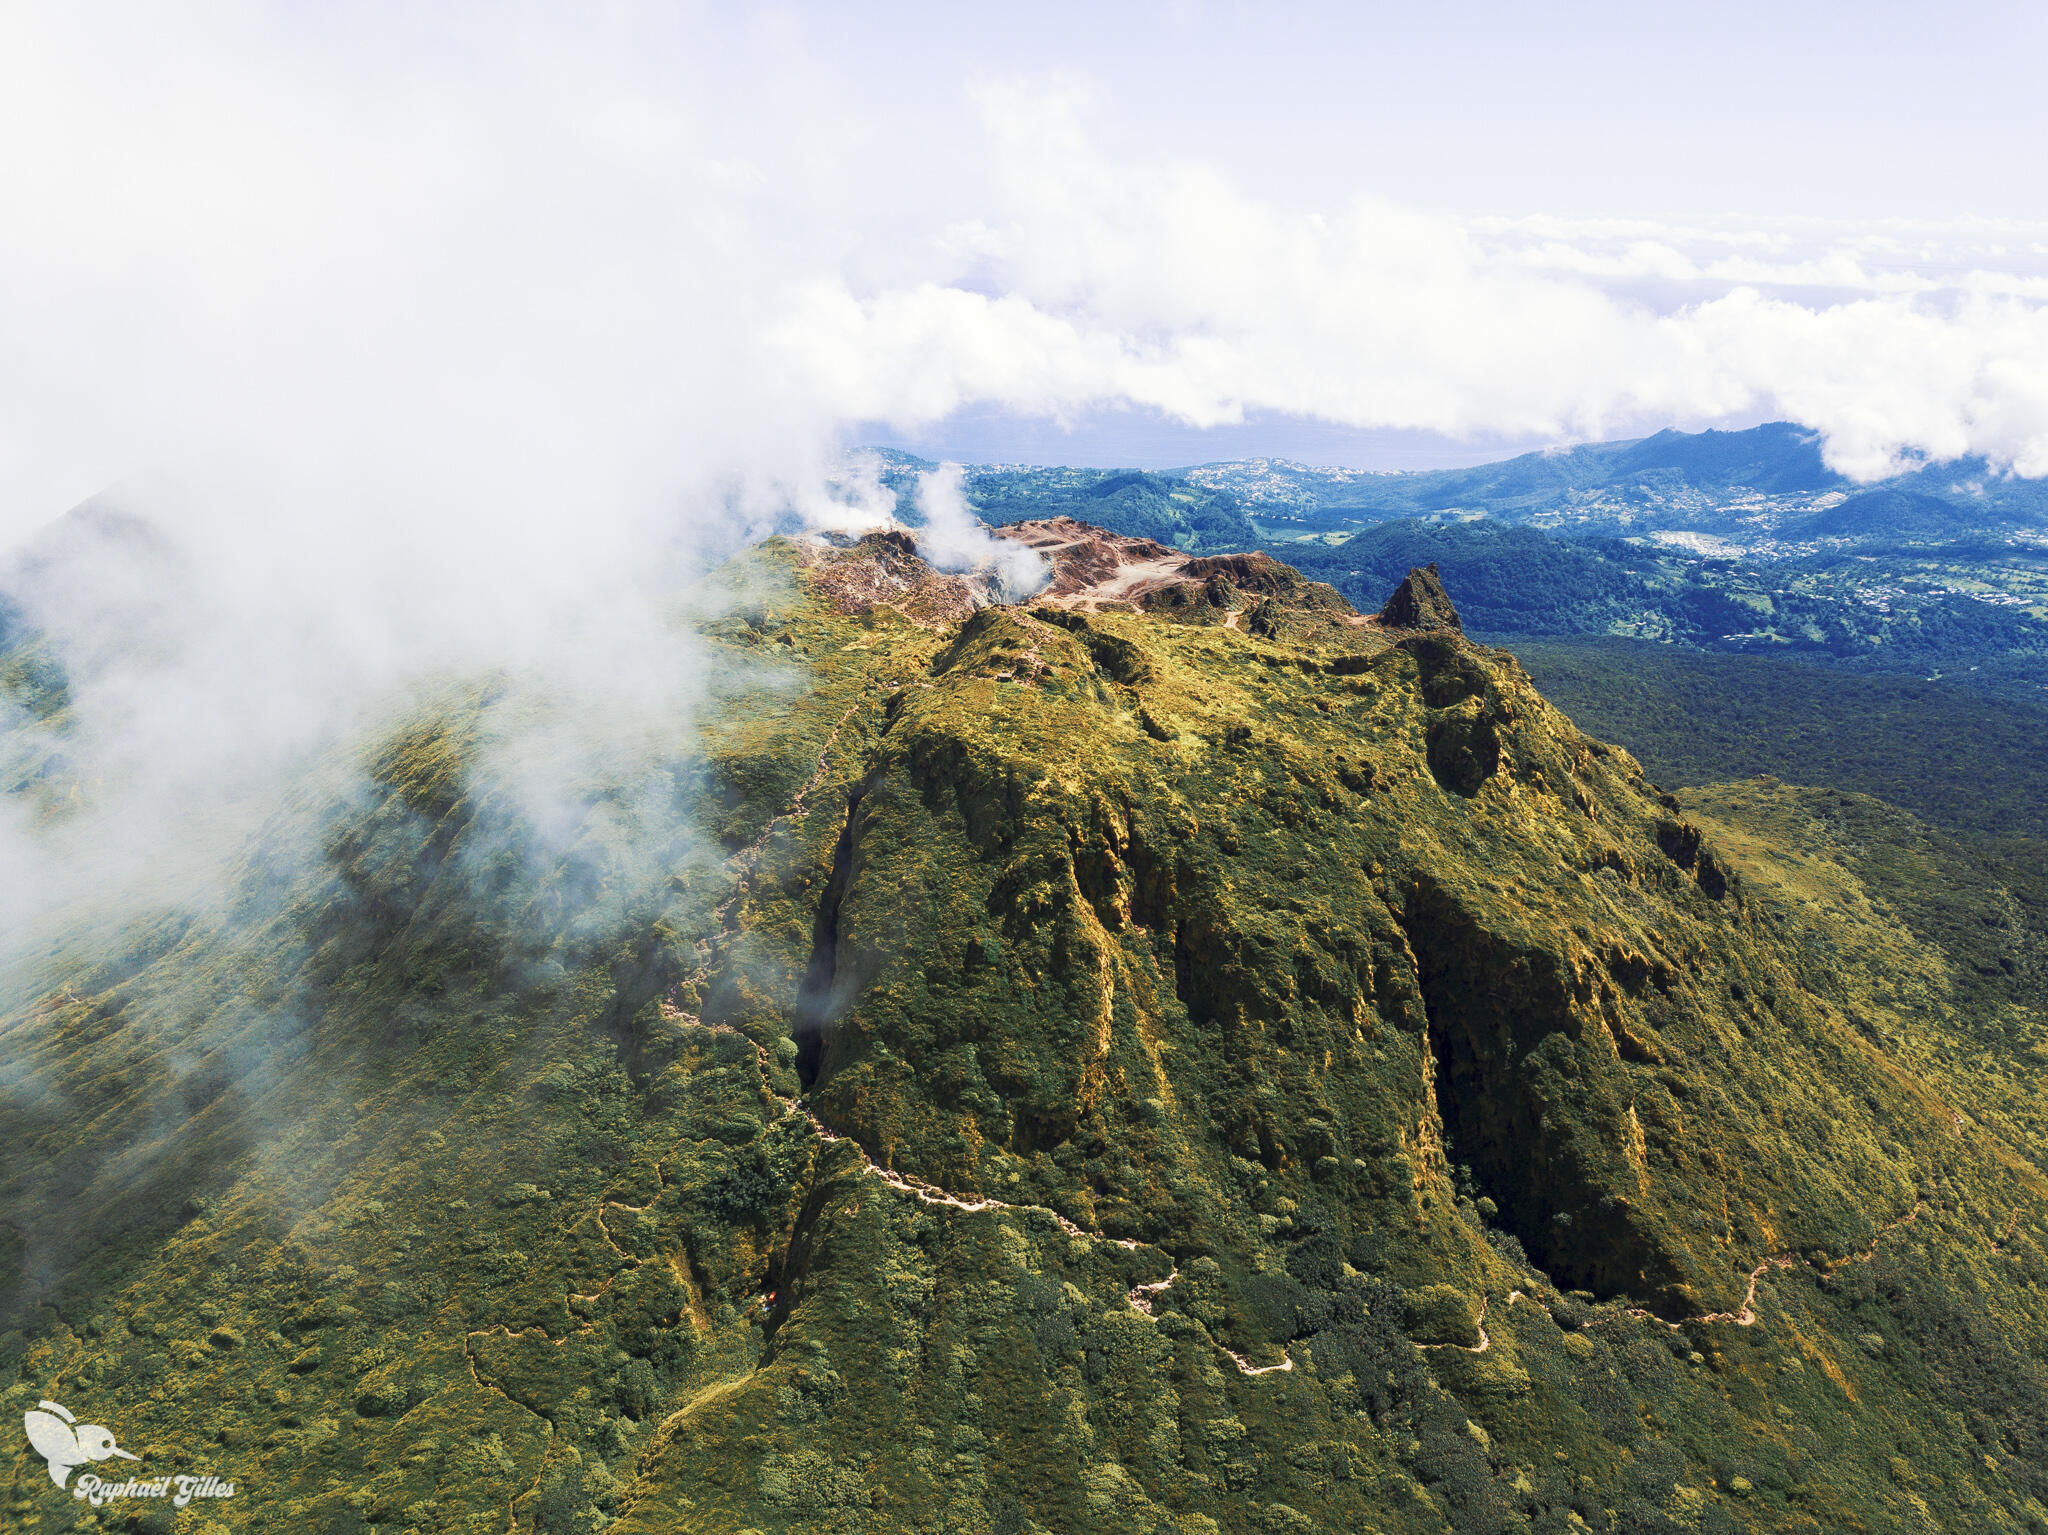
[{"x": 181, "y": 1490}]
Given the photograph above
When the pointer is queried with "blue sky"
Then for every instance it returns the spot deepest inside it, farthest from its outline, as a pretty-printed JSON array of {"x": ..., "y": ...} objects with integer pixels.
[{"x": 1858, "y": 111}]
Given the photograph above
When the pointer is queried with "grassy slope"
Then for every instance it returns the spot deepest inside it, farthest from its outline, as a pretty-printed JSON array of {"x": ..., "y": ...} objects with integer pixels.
[
  {"x": 1201, "y": 939},
  {"x": 1886, "y": 902}
]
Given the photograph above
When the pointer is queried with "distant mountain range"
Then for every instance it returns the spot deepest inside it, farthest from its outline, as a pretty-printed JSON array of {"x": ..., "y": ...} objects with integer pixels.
[
  {"x": 1759, "y": 489},
  {"x": 1730, "y": 541},
  {"x": 1767, "y": 484},
  {"x": 1170, "y": 507},
  {"x": 1672, "y": 471}
]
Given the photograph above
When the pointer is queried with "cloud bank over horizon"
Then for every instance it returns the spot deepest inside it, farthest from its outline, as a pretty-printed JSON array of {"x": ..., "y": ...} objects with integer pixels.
[{"x": 1163, "y": 286}]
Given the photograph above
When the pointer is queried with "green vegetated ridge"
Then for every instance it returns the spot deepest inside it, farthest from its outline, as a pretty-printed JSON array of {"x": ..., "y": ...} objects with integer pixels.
[{"x": 1321, "y": 1089}]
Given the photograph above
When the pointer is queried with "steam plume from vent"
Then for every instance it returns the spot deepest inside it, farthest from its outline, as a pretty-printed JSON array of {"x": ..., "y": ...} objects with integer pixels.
[{"x": 953, "y": 539}]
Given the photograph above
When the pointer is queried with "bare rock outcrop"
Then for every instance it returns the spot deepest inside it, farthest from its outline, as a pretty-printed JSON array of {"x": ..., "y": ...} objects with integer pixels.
[{"x": 1420, "y": 602}]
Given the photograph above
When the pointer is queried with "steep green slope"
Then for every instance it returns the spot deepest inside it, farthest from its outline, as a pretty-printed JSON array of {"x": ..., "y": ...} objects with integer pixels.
[
  {"x": 1889, "y": 904},
  {"x": 1216, "y": 1066}
]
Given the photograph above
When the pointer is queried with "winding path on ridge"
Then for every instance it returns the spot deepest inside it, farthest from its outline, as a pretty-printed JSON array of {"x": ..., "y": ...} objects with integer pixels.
[
  {"x": 1485, "y": 1338},
  {"x": 1142, "y": 1298}
]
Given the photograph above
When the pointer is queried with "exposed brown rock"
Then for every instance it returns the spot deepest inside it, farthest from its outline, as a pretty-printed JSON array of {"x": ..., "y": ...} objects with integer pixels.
[
  {"x": 1254, "y": 572},
  {"x": 885, "y": 570},
  {"x": 1094, "y": 569},
  {"x": 1420, "y": 602}
]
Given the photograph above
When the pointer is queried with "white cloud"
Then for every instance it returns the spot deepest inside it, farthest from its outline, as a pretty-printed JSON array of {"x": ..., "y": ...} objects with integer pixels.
[
  {"x": 433, "y": 342},
  {"x": 1162, "y": 285}
]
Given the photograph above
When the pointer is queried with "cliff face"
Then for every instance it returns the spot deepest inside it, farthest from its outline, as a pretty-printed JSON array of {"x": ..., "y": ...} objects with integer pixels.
[{"x": 1178, "y": 1055}]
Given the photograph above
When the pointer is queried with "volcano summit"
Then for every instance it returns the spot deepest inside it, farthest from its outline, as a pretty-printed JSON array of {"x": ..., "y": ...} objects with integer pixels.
[{"x": 1173, "y": 1054}]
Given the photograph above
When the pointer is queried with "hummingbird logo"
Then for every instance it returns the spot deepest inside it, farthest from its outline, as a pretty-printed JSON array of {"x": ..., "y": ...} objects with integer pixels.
[{"x": 65, "y": 1442}]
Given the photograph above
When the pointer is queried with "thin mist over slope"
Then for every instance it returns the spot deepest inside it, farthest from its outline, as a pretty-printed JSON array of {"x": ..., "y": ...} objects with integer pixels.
[{"x": 405, "y": 376}]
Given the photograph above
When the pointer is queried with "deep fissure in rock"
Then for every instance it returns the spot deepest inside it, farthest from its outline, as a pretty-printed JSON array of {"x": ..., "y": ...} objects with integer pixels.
[
  {"x": 815, "y": 1004},
  {"x": 1488, "y": 1129},
  {"x": 1523, "y": 1109}
]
